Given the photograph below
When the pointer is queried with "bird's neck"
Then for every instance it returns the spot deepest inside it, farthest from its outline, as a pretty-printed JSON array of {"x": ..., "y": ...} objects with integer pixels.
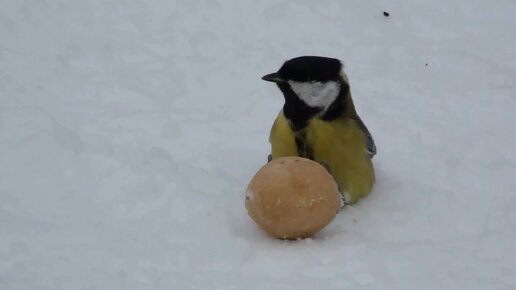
[
  {"x": 342, "y": 107},
  {"x": 295, "y": 110},
  {"x": 299, "y": 113}
]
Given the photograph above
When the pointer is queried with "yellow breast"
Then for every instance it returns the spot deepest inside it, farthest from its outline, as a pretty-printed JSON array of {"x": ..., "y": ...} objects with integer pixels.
[{"x": 340, "y": 144}]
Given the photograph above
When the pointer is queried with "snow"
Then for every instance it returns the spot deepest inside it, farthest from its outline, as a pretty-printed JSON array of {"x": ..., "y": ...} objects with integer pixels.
[{"x": 129, "y": 131}]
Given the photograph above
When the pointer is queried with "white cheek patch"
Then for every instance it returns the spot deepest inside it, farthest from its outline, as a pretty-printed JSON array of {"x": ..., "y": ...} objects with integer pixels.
[{"x": 316, "y": 94}]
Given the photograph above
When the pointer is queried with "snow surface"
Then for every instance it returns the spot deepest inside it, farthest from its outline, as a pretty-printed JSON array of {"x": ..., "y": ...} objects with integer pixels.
[{"x": 130, "y": 129}]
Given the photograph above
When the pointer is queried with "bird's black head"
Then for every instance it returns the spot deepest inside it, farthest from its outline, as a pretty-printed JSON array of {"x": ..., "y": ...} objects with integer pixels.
[
  {"x": 311, "y": 85},
  {"x": 311, "y": 68},
  {"x": 307, "y": 69}
]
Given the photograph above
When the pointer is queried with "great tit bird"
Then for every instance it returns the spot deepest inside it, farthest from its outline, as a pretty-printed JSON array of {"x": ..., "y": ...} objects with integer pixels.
[{"x": 319, "y": 122}]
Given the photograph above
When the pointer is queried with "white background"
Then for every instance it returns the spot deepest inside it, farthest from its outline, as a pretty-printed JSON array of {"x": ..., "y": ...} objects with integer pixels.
[{"x": 129, "y": 131}]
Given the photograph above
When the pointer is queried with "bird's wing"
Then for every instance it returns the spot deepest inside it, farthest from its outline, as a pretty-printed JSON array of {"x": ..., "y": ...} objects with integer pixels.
[{"x": 371, "y": 146}]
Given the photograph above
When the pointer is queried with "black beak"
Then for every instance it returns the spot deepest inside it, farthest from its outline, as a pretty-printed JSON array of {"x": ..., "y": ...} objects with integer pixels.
[{"x": 273, "y": 77}]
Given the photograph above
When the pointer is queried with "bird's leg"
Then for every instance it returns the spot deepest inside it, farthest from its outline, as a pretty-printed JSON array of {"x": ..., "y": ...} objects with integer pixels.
[{"x": 343, "y": 198}]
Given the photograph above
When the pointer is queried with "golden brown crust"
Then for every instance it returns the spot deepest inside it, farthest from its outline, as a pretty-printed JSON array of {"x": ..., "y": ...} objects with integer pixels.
[{"x": 292, "y": 197}]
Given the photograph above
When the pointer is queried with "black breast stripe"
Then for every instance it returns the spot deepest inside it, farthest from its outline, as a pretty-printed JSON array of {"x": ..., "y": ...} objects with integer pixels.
[{"x": 303, "y": 148}]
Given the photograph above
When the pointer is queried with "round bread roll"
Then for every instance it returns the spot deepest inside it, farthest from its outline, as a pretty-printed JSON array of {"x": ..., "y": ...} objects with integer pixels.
[{"x": 292, "y": 198}]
